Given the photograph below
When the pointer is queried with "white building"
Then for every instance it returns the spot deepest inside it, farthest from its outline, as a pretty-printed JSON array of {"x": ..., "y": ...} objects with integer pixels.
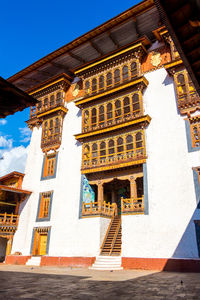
[{"x": 113, "y": 163}]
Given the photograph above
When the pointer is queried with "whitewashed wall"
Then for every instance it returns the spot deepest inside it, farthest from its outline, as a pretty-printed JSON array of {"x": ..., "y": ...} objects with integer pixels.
[
  {"x": 168, "y": 230},
  {"x": 70, "y": 235}
]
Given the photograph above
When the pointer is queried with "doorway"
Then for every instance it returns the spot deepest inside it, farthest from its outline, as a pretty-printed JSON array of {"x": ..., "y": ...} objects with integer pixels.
[
  {"x": 40, "y": 243},
  {"x": 3, "y": 247}
]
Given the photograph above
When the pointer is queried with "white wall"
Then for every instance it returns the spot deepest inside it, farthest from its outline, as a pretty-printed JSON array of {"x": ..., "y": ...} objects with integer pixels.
[
  {"x": 168, "y": 230},
  {"x": 70, "y": 235}
]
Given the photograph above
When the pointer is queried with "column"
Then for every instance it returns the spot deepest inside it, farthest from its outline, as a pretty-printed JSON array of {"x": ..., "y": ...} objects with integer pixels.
[
  {"x": 9, "y": 246},
  {"x": 133, "y": 187},
  {"x": 100, "y": 192}
]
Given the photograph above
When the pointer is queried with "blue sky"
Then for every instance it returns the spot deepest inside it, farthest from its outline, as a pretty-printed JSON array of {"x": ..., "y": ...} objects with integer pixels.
[{"x": 31, "y": 30}]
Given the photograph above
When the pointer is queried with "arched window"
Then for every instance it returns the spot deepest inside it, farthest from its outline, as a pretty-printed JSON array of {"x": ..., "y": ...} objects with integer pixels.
[
  {"x": 94, "y": 85},
  {"x": 94, "y": 118},
  {"x": 126, "y": 107},
  {"x": 94, "y": 152},
  {"x": 118, "y": 110},
  {"x": 39, "y": 106},
  {"x": 52, "y": 100},
  {"x": 86, "y": 119},
  {"x": 101, "y": 82},
  {"x": 125, "y": 73},
  {"x": 181, "y": 85},
  {"x": 138, "y": 140},
  {"x": 51, "y": 128},
  {"x": 57, "y": 123},
  {"x": 129, "y": 143},
  {"x": 101, "y": 115},
  {"x": 109, "y": 79},
  {"x": 111, "y": 148},
  {"x": 45, "y": 103},
  {"x": 116, "y": 76},
  {"x": 58, "y": 98},
  {"x": 87, "y": 86},
  {"x": 120, "y": 145},
  {"x": 136, "y": 103},
  {"x": 102, "y": 150},
  {"x": 196, "y": 136},
  {"x": 86, "y": 152},
  {"x": 109, "y": 113},
  {"x": 134, "y": 69}
]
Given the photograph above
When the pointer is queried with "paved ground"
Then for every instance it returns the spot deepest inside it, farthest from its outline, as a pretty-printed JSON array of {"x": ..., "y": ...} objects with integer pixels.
[{"x": 24, "y": 282}]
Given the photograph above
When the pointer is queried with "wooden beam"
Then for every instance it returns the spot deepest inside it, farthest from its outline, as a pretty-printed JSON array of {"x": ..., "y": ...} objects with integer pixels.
[
  {"x": 115, "y": 42},
  {"x": 61, "y": 66},
  {"x": 92, "y": 43},
  {"x": 6, "y": 203},
  {"x": 80, "y": 59},
  {"x": 136, "y": 27}
]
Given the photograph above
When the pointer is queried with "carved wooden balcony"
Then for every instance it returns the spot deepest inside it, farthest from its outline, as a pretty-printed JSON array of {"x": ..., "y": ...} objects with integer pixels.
[
  {"x": 99, "y": 209},
  {"x": 43, "y": 107},
  {"x": 8, "y": 222},
  {"x": 132, "y": 205}
]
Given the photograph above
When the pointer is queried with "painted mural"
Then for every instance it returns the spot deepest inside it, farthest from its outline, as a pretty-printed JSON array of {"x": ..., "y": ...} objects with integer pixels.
[{"x": 88, "y": 193}]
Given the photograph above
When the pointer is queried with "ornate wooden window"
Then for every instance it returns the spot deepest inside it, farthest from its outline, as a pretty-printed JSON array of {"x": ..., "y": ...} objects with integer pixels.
[
  {"x": 101, "y": 82},
  {"x": 102, "y": 150},
  {"x": 138, "y": 140},
  {"x": 195, "y": 131},
  {"x": 94, "y": 118},
  {"x": 87, "y": 86},
  {"x": 109, "y": 79},
  {"x": 86, "y": 120},
  {"x": 51, "y": 128},
  {"x": 86, "y": 152},
  {"x": 52, "y": 100},
  {"x": 45, "y": 105},
  {"x": 136, "y": 103},
  {"x": 44, "y": 206},
  {"x": 101, "y": 115},
  {"x": 49, "y": 166},
  {"x": 129, "y": 143},
  {"x": 117, "y": 76},
  {"x": 125, "y": 73},
  {"x": 57, "y": 125},
  {"x": 51, "y": 131},
  {"x": 111, "y": 148},
  {"x": 126, "y": 107},
  {"x": 109, "y": 113},
  {"x": 45, "y": 130},
  {"x": 40, "y": 244},
  {"x": 39, "y": 106},
  {"x": 94, "y": 85},
  {"x": 118, "y": 110},
  {"x": 94, "y": 152},
  {"x": 134, "y": 72},
  {"x": 58, "y": 98},
  {"x": 120, "y": 146}
]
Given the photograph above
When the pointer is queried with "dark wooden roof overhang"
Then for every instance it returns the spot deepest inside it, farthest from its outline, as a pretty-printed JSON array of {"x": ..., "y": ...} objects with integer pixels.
[
  {"x": 6, "y": 188},
  {"x": 182, "y": 19},
  {"x": 138, "y": 21},
  {"x": 12, "y": 99}
]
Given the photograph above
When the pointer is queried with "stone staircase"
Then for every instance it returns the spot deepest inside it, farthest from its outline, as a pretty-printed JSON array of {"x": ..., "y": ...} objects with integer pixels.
[
  {"x": 107, "y": 263},
  {"x": 112, "y": 242},
  {"x": 34, "y": 261}
]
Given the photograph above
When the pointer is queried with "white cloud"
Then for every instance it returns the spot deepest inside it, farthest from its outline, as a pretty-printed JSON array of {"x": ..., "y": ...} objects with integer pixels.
[
  {"x": 3, "y": 122},
  {"x": 5, "y": 143},
  {"x": 13, "y": 160},
  {"x": 25, "y": 134}
]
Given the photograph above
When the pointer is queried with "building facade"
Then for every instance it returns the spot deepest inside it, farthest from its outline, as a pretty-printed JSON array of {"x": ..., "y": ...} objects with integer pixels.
[{"x": 113, "y": 163}]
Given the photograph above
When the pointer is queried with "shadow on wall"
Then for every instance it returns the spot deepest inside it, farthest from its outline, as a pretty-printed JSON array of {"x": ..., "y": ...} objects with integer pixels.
[{"x": 188, "y": 246}]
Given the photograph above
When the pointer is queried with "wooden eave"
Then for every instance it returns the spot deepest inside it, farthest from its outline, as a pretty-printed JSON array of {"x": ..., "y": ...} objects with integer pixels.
[
  {"x": 171, "y": 66},
  {"x": 159, "y": 32},
  {"x": 141, "y": 80},
  {"x": 140, "y": 43},
  {"x": 13, "y": 174},
  {"x": 118, "y": 32},
  {"x": 15, "y": 190},
  {"x": 12, "y": 99},
  {"x": 144, "y": 119},
  {"x": 54, "y": 110},
  {"x": 181, "y": 18}
]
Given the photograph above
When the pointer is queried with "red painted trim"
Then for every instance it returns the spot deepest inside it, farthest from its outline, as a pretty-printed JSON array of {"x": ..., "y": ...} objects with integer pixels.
[
  {"x": 67, "y": 261},
  {"x": 162, "y": 264},
  {"x": 16, "y": 259}
]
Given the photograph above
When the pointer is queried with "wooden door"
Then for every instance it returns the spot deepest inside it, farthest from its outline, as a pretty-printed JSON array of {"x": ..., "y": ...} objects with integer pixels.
[{"x": 42, "y": 244}]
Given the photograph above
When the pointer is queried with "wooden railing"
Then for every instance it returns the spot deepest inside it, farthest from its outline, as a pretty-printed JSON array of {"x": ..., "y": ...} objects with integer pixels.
[
  {"x": 134, "y": 154},
  {"x": 96, "y": 208},
  {"x": 133, "y": 205},
  {"x": 9, "y": 219}
]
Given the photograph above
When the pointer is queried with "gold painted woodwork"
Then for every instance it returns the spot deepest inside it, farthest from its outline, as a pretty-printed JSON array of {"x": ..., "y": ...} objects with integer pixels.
[
  {"x": 132, "y": 205},
  {"x": 145, "y": 120},
  {"x": 99, "y": 209},
  {"x": 138, "y": 81},
  {"x": 55, "y": 110}
]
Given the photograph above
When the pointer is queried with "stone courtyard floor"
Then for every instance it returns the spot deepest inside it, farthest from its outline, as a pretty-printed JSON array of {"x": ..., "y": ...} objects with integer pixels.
[{"x": 25, "y": 282}]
